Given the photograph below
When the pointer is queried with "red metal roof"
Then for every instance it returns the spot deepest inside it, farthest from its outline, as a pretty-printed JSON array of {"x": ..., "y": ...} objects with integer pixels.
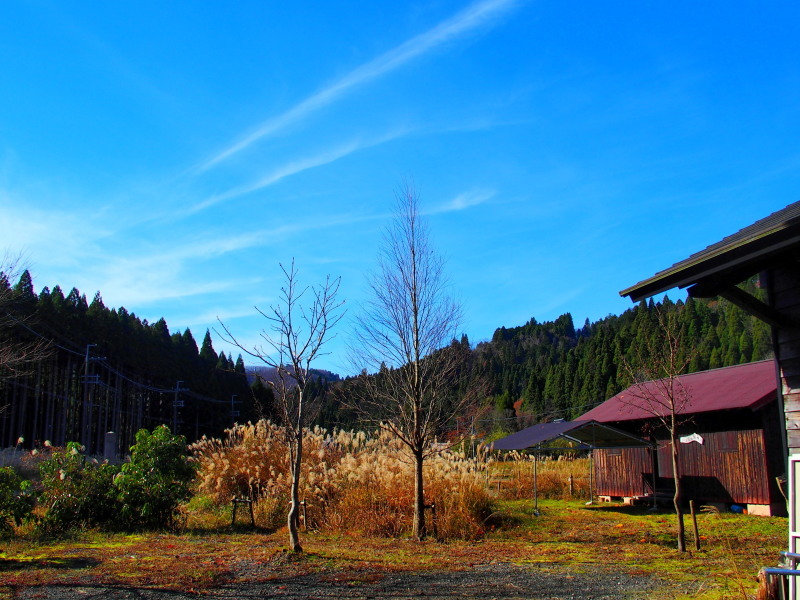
[{"x": 742, "y": 386}]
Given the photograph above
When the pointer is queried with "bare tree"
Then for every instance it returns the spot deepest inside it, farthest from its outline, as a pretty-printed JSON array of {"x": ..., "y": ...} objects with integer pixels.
[
  {"x": 658, "y": 390},
  {"x": 19, "y": 349},
  {"x": 402, "y": 344},
  {"x": 295, "y": 337}
]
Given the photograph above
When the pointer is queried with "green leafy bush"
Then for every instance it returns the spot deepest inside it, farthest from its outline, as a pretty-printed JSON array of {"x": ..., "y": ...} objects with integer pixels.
[
  {"x": 16, "y": 499},
  {"x": 77, "y": 492},
  {"x": 157, "y": 479}
]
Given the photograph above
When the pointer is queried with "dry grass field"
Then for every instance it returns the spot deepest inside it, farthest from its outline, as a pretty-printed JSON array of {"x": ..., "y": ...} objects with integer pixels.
[{"x": 492, "y": 540}]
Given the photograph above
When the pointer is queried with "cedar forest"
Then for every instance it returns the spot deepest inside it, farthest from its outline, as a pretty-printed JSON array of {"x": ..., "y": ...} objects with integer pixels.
[{"x": 108, "y": 370}]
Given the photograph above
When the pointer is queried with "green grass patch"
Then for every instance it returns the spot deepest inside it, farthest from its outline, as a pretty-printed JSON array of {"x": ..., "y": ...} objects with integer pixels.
[{"x": 565, "y": 533}]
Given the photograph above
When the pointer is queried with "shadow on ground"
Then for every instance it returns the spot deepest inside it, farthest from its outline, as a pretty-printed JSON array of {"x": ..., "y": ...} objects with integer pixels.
[{"x": 47, "y": 563}]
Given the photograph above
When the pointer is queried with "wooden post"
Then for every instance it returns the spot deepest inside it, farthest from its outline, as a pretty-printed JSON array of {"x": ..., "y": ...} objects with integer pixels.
[
  {"x": 654, "y": 463},
  {"x": 236, "y": 502},
  {"x": 305, "y": 515},
  {"x": 694, "y": 523},
  {"x": 571, "y": 489},
  {"x": 432, "y": 507}
]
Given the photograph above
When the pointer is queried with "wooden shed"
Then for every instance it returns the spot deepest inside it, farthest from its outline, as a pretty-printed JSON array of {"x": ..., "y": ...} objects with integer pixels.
[
  {"x": 769, "y": 248},
  {"x": 731, "y": 451}
]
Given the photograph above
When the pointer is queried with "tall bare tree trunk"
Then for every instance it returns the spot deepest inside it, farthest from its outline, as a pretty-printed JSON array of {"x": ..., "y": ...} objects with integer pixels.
[
  {"x": 676, "y": 499},
  {"x": 403, "y": 339},
  {"x": 420, "y": 531},
  {"x": 294, "y": 511},
  {"x": 295, "y": 338},
  {"x": 297, "y": 462},
  {"x": 659, "y": 391}
]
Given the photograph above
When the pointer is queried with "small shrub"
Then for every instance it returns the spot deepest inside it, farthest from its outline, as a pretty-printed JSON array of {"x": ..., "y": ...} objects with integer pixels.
[
  {"x": 76, "y": 492},
  {"x": 270, "y": 512},
  {"x": 16, "y": 499},
  {"x": 462, "y": 500},
  {"x": 155, "y": 481}
]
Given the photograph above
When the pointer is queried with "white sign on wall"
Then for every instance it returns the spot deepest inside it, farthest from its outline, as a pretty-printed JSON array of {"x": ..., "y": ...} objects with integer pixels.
[{"x": 688, "y": 439}]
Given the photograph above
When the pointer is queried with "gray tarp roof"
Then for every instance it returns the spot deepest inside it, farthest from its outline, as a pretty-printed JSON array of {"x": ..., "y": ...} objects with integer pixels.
[{"x": 587, "y": 435}]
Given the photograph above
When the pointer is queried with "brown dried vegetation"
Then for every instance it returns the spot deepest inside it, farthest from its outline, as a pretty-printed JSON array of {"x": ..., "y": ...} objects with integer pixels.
[{"x": 351, "y": 481}]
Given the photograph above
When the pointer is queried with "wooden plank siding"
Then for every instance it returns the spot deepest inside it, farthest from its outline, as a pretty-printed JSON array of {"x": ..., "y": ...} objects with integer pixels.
[
  {"x": 625, "y": 472},
  {"x": 730, "y": 466},
  {"x": 784, "y": 296}
]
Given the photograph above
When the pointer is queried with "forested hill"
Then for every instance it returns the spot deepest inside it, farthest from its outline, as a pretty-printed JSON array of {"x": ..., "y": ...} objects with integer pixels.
[
  {"x": 265, "y": 373},
  {"x": 542, "y": 371},
  {"x": 108, "y": 370}
]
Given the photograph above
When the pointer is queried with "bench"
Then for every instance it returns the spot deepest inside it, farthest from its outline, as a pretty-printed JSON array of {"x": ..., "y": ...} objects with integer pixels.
[{"x": 236, "y": 502}]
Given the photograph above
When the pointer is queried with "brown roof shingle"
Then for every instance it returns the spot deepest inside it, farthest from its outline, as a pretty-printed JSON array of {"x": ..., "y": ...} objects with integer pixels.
[{"x": 742, "y": 253}]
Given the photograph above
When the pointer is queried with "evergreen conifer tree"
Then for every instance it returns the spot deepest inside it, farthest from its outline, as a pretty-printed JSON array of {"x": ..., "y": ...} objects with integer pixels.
[{"x": 207, "y": 352}]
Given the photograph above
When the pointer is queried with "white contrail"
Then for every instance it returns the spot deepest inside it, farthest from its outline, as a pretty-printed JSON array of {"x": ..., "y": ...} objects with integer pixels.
[
  {"x": 473, "y": 17},
  {"x": 297, "y": 166}
]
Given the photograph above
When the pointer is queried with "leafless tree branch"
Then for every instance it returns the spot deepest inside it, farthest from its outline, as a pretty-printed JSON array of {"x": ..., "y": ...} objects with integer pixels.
[
  {"x": 402, "y": 342},
  {"x": 296, "y": 336},
  {"x": 658, "y": 391},
  {"x": 20, "y": 349}
]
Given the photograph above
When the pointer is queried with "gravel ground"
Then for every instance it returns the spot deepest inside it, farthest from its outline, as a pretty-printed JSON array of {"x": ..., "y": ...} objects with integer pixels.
[{"x": 494, "y": 581}]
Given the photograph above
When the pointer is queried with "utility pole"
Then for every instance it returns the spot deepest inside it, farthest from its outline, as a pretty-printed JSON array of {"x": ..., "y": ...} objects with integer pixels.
[
  {"x": 234, "y": 412},
  {"x": 176, "y": 404},
  {"x": 87, "y": 396}
]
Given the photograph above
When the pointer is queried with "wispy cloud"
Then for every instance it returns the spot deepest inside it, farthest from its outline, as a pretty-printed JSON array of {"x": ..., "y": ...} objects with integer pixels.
[
  {"x": 465, "y": 200},
  {"x": 59, "y": 238},
  {"x": 143, "y": 277},
  {"x": 297, "y": 166},
  {"x": 213, "y": 246},
  {"x": 478, "y": 15}
]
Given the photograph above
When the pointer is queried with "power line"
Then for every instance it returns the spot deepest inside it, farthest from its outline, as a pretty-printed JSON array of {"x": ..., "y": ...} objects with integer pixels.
[{"x": 103, "y": 363}]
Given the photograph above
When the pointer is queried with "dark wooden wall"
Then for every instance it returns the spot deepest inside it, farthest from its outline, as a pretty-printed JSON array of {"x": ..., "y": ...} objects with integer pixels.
[
  {"x": 784, "y": 296},
  {"x": 623, "y": 472},
  {"x": 730, "y": 466}
]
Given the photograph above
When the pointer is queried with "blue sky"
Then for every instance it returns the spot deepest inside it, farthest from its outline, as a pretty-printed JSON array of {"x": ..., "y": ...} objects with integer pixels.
[{"x": 170, "y": 155}]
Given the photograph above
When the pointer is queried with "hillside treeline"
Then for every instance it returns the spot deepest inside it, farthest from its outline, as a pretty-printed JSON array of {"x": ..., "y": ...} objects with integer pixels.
[
  {"x": 539, "y": 372},
  {"x": 108, "y": 370},
  {"x": 544, "y": 371}
]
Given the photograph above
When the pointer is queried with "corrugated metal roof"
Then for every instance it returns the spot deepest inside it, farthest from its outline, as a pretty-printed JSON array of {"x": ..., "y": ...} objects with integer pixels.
[
  {"x": 771, "y": 234},
  {"x": 742, "y": 386},
  {"x": 585, "y": 433},
  {"x": 778, "y": 220}
]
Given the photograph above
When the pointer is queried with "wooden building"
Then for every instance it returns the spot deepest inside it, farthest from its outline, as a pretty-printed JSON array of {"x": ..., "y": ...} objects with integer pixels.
[
  {"x": 730, "y": 426},
  {"x": 769, "y": 248}
]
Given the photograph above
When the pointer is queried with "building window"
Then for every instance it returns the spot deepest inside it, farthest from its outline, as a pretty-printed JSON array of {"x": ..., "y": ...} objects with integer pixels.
[{"x": 728, "y": 442}]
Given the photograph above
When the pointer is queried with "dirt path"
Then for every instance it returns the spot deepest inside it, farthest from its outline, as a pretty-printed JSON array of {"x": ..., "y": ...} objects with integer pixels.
[{"x": 487, "y": 582}]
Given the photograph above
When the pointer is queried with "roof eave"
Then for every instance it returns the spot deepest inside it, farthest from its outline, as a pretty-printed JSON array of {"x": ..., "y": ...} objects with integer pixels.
[{"x": 727, "y": 258}]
